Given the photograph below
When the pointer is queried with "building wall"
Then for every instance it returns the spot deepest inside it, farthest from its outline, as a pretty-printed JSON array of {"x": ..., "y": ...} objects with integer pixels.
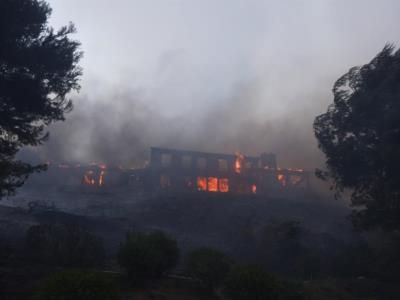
[{"x": 192, "y": 170}]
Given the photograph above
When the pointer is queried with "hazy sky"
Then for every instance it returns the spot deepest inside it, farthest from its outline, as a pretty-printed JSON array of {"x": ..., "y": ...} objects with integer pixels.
[{"x": 230, "y": 72}]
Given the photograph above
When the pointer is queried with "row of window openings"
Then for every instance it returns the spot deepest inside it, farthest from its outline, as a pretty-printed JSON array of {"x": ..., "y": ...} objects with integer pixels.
[
  {"x": 211, "y": 184},
  {"x": 201, "y": 162}
]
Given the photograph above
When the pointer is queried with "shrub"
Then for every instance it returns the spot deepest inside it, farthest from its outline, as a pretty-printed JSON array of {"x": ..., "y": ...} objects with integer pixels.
[
  {"x": 148, "y": 256},
  {"x": 78, "y": 285},
  {"x": 63, "y": 245},
  {"x": 209, "y": 266},
  {"x": 250, "y": 282}
]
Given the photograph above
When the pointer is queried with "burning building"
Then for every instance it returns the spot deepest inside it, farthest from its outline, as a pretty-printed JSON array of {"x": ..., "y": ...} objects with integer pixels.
[{"x": 179, "y": 170}]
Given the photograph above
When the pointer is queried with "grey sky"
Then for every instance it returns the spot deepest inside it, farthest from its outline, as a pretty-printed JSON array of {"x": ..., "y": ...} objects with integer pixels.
[{"x": 273, "y": 61}]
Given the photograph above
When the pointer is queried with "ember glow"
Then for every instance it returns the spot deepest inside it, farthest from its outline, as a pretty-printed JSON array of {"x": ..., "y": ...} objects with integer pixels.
[
  {"x": 295, "y": 179},
  {"x": 224, "y": 185},
  {"x": 282, "y": 179},
  {"x": 88, "y": 178},
  {"x": 101, "y": 178},
  {"x": 253, "y": 188}
]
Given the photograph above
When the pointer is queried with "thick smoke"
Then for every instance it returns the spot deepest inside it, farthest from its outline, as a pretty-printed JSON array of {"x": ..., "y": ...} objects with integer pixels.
[
  {"x": 210, "y": 77},
  {"x": 119, "y": 128}
]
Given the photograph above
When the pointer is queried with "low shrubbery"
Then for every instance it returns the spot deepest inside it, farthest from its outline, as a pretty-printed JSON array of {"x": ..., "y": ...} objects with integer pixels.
[
  {"x": 63, "y": 245},
  {"x": 78, "y": 285},
  {"x": 148, "y": 256},
  {"x": 209, "y": 266},
  {"x": 250, "y": 282}
]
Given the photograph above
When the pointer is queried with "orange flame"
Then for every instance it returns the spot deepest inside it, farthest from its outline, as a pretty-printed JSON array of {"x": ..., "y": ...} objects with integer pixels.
[
  {"x": 202, "y": 183},
  {"x": 238, "y": 162},
  {"x": 89, "y": 178},
  {"x": 212, "y": 184},
  {"x": 253, "y": 188}
]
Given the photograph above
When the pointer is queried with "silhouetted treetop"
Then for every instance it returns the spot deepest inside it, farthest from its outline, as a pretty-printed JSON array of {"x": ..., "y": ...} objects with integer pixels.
[
  {"x": 360, "y": 136},
  {"x": 38, "y": 68}
]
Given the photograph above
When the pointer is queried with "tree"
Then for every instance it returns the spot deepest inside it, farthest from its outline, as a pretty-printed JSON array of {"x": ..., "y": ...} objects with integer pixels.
[
  {"x": 38, "y": 68},
  {"x": 250, "y": 282},
  {"x": 78, "y": 285},
  {"x": 148, "y": 255},
  {"x": 360, "y": 136},
  {"x": 280, "y": 249},
  {"x": 208, "y": 265}
]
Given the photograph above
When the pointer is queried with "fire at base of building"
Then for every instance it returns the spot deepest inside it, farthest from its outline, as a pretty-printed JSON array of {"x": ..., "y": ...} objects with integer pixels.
[{"x": 180, "y": 171}]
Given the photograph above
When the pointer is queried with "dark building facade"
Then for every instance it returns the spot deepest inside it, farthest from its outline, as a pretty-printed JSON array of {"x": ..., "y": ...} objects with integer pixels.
[{"x": 180, "y": 170}]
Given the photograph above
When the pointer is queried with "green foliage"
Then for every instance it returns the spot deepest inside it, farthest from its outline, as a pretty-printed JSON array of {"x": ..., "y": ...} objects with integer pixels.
[
  {"x": 353, "y": 261},
  {"x": 38, "y": 68},
  {"x": 280, "y": 250},
  {"x": 78, "y": 285},
  {"x": 148, "y": 255},
  {"x": 250, "y": 282},
  {"x": 63, "y": 245},
  {"x": 208, "y": 265},
  {"x": 360, "y": 136}
]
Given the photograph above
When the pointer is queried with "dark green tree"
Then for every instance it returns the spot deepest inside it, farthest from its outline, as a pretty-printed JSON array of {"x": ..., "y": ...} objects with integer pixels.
[
  {"x": 147, "y": 256},
  {"x": 38, "y": 68},
  {"x": 360, "y": 136},
  {"x": 208, "y": 265}
]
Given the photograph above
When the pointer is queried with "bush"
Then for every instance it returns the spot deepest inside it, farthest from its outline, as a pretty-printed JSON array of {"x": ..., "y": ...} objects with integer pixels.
[
  {"x": 250, "y": 282},
  {"x": 63, "y": 245},
  {"x": 78, "y": 285},
  {"x": 209, "y": 266},
  {"x": 148, "y": 256}
]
